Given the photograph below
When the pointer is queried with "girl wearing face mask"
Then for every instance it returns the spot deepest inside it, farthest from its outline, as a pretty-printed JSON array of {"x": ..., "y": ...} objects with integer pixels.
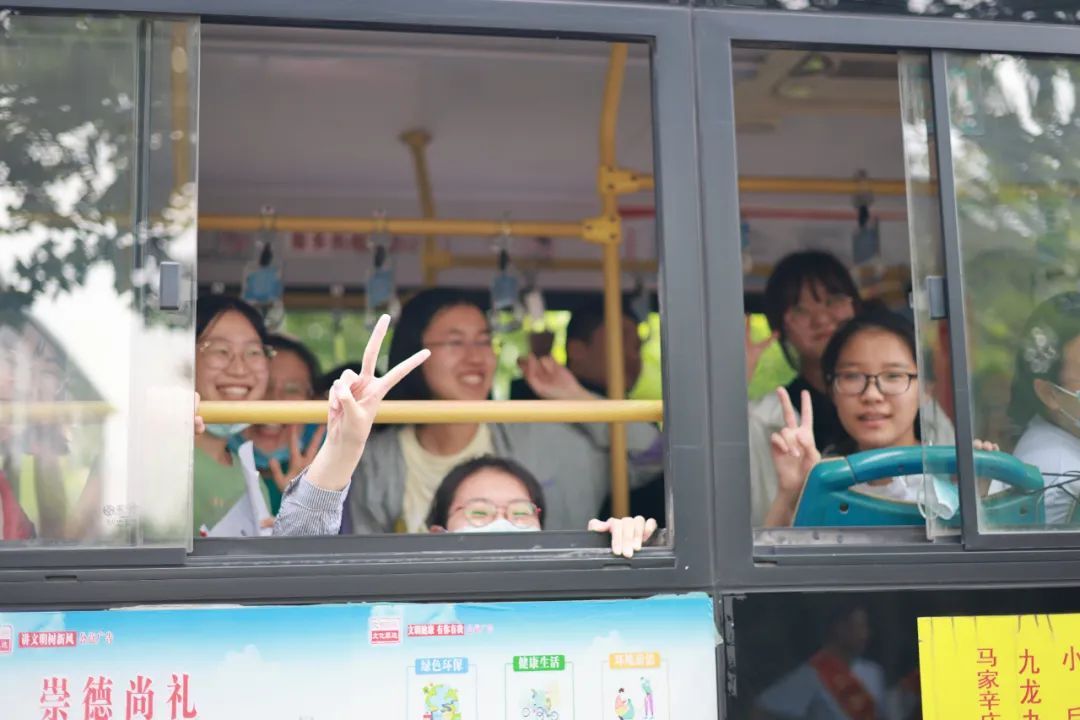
[
  {"x": 232, "y": 363},
  {"x": 873, "y": 382},
  {"x": 490, "y": 494},
  {"x": 402, "y": 467},
  {"x": 1046, "y": 401},
  {"x": 281, "y": 449}
]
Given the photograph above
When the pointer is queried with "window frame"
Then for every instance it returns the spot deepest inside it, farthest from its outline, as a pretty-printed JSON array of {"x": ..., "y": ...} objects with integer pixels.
[
  {"x": 474, "y": 567},
  {"x": 1036, "y": 558}
]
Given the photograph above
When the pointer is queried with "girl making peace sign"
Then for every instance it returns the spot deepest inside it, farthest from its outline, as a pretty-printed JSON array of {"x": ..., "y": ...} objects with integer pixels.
[{"x": 873, "y": 380}]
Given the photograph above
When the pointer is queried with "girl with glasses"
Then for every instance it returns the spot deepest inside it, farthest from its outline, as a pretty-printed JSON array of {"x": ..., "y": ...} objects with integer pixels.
[
  {"x": 809, "y": 296},
  {"x": 281, "y": 449},
  {"x": 402, "y": 466},
  {"x": 872, "y": 379},
  {"x": 490, "y": 494},
  {"x": 232, "y": 363}
]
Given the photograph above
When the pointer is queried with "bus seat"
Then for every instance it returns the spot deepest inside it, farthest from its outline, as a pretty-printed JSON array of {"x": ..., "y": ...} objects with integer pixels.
[{"x": 828, "y": 499}]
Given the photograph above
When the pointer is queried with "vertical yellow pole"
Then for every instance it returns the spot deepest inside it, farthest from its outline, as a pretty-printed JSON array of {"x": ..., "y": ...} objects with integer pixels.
[
  {"x": 417, "y": 139},
  {"x": 620, "y": 487}
]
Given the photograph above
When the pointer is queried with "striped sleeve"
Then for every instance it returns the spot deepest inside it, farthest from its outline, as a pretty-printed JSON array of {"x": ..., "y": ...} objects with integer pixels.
[{"x": 308, "y": 510}]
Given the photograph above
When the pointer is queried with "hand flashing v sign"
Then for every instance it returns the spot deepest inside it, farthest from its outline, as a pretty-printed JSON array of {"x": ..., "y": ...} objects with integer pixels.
[
  {"x": 354, "y": 401},
  {"x": 794, "y": 455}
]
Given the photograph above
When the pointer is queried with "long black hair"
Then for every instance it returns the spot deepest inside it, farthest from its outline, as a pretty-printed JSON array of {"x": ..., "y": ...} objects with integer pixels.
[
  {"x": 439, "y": 514},
  {"x": 1041, "y": 353},
  {"x": 808, "y": 268},
  {"x": 877, "y": 319},
  {"x": 408, "y": 339}
]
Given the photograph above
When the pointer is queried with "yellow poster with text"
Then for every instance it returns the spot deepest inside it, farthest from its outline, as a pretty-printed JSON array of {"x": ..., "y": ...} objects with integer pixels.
[{"x": 1024, "y": 667}]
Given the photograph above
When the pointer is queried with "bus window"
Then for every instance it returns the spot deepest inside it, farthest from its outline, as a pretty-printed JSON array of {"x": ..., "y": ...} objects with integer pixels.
[
  {"x": 1015, "y": 130},
  {"x": 836, "y": 367},
  {"x": 95, "y": 405},
  {"x": 452, "y": 183}
]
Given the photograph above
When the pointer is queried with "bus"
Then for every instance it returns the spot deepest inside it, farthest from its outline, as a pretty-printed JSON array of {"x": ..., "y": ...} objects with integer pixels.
[{"x": 621, "y": 189}]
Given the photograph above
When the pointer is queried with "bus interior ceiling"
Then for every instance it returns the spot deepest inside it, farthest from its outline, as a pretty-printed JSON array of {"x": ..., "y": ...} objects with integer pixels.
[
  {"x": 310, "y": 122},
  {"x": 806, "y": 118}
]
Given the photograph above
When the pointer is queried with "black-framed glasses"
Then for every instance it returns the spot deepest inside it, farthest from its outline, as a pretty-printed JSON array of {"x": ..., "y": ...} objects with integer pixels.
[
  {"x": 887, "y": 383},
  {"x": 480, "y": 512}
]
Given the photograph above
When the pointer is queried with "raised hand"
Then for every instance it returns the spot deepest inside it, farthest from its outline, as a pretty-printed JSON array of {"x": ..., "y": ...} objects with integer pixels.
[
  {"x": 627, "y": 534},
  {"x": 552, "y": 381},
  {"x": 794, "y": 454},
  {"x": 297, "y": 460},
  {"x": 354, "y": 401},
  {"x": 754, "y": 350}
]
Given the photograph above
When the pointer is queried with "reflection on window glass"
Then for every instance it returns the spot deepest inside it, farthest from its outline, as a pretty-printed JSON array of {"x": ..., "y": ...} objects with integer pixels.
[
  {"x": 91, "y": 373},
  {"x": 847, "y": 656},
  {"x": 825, "y": 243},
  {"x": 1016, "y": 157},
  {"x": 1008, "y": 10},
  {"x": 484, "y": 306}
]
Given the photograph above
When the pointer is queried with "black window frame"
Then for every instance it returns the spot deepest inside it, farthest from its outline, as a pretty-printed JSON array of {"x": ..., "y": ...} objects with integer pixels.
[
  {"x": 573, "y": 564},
  {"x": 1040, "y": 558}
]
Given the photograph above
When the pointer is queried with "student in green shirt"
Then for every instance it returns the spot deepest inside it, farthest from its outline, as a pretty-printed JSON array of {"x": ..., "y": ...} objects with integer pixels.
[{"x": 232, "y": 363}]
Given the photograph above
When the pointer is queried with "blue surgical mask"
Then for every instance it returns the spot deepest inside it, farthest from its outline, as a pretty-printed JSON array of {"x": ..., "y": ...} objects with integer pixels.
[
  {"x": 497, "y": 525},
  {"x": 226, "y": 430}
]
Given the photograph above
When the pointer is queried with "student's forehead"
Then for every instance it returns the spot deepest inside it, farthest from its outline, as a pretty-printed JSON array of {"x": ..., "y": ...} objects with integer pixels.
[
  {"x": 231, "y": 325},
  {"x": 487, "y": 482},
  {"x": 459, "y": 318}
]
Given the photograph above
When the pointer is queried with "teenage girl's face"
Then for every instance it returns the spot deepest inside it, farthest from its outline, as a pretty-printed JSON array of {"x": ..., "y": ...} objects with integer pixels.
[
  {"x": 810, "y": 324},
  {"x": 497, "y": 487},
  {"x": 872, "y": 419},
  {"x": 462, "y": 362},
  {"x": 1062, "y": 401},
  {"x": 289, "y": 380},
  {"x": 245, "y": 376}
]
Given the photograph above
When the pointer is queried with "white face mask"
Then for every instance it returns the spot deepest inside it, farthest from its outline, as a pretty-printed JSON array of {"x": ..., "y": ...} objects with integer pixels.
[
  {"x": 1074, "y": 395},
  {"x": 497, "y": 525}
]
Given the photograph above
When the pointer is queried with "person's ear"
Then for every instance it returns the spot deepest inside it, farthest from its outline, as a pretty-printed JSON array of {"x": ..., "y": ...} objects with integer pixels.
[{"x": 437, "y": 529}]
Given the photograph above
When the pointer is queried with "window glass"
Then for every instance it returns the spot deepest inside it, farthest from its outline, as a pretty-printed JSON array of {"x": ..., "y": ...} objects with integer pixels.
[
  {"x": 826, "y": 218},
  {"x": 857, "y": 654},
  {"x": 97, "y": 192},
  {"x": 1016, "y": 157},
  {"x": 302, "y": 217}
]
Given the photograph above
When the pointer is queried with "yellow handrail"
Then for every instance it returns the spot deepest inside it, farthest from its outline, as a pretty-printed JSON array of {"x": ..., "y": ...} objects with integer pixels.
[
  {"x": 394, "y": 226},
  {"x": 42, "y": 412},
  {"x": 414, "y": 412}
]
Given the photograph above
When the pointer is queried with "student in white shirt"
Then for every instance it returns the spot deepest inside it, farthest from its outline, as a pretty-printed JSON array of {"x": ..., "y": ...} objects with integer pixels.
[{"x": 1045, "y": 401}]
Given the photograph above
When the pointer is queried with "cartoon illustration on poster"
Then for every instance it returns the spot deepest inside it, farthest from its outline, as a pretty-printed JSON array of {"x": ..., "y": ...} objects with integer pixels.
[
  {"x": 442, "y": 689},
  {"x": 635, "y": 686},
  {"x": 540, "y": 687}
]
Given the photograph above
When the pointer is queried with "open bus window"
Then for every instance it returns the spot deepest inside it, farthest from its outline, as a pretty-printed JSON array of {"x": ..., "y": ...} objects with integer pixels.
[
  {"x": 1016, "y": 134},
  {"x": 831, "y": 324},
  {"x": 309, "y": 214},
  {"x": 95, "y": 405}
]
